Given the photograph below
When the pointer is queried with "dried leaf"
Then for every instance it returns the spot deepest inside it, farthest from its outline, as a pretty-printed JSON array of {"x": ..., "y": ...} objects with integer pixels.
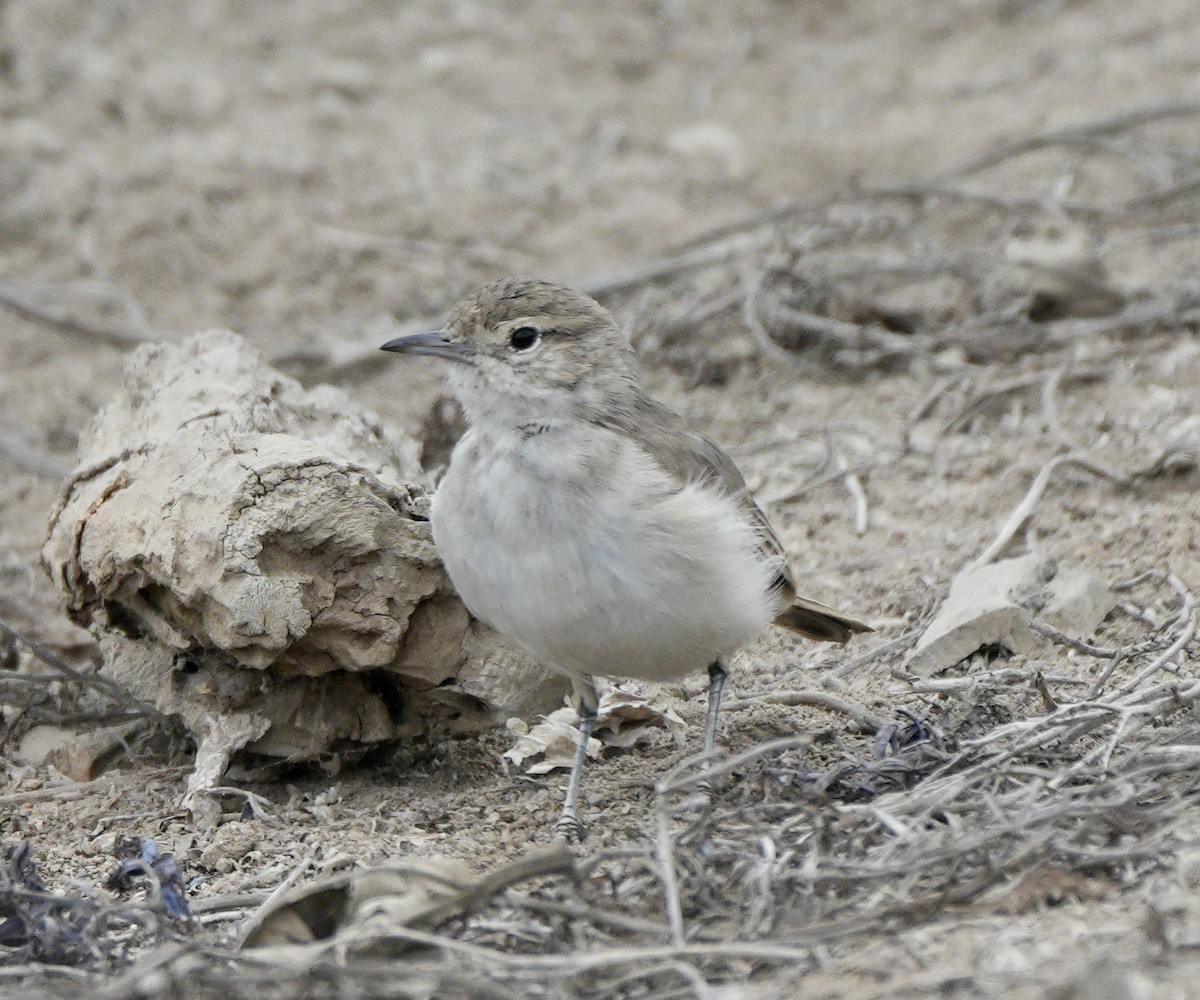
[{"x": 625, "y": 719}]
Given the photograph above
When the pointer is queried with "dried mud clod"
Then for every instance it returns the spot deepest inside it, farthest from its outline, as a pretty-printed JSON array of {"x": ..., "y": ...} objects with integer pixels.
[{"x": 256, "y": 558}]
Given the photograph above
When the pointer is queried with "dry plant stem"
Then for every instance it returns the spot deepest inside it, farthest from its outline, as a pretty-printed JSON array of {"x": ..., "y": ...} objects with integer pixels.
[
  {"x": 1025, "y": 508},
  {"x": 228, "y": 902},
  {"x": 1062, "y": 639},
  {"x": 1184, "y": 638},
  {"x": 160, "y": 958},
  {"x": 578, "y": 910},
  {"x": 854, "y": 487},
  {"x": 825, "y": 327},
  {"x": 1098, "y": 756},
  {"x": 25, "y": 307},
  {"x": 1019, "y": 383},
  {"x": 580, "y": 962},
  {"x": 1069, "y": 722},
  {"x": 710, "y": 253},
  {"x": 262, "y": 807},
  {"x": 1101, "y": 682},
  {"x": 665, "y": 856},
  {"x": 448, "y": 982},
  {"x": 1122, "y": 731},
  {"x": 678, "y": 779},
  {"x": 41, "y": 970},
  {"x": 1184, "y": 625},
  {"x": 1187, "y": 753},
  {"x": 1160, "y": 198},
  {"x": 557, "y": 859},
  {"x": 928, "y": 403},
  {"x": 1169, "y": 579},
  {"x": 923, "y": 190},
  {"x": 763, "y": 219},
  {"x": 1050, "y": 389},
  {"x": 864, "y": 719},
  {"x": 1137, "y": 319},
  {"x": 1073, "y": 134},
  {"x": 750, "y": 316},
  {"x": 831, "y": 476},
  {"x": 896, "y": 645},
  {"x": 294, "y": 876},
  {"x": 58, "y": 793},
  {"x": 102, "y": 685},
  {"x": 991, "y": 678},
  {"x": 698, "y": 985}
]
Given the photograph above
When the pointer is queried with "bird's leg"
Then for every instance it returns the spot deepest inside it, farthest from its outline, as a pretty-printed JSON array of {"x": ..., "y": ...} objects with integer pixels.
[
  {"x": 586, "y": 704},
  {"x": 717, "y": 672}
]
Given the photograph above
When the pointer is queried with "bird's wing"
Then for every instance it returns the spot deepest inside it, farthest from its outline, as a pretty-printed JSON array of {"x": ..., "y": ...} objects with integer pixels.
[{"x": 688, "y": 457}]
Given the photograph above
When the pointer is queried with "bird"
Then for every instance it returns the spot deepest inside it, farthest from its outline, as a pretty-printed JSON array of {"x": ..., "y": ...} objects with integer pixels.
[{"x": 585, "y": 521}]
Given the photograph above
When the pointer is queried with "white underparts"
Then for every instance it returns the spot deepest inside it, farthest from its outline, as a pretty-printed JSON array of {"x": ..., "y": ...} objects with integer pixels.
[{"x": 577, "y": 547}]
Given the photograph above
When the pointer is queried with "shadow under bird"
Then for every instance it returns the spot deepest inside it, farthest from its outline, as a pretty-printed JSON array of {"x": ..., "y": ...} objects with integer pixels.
[{"x": 584, "y": 521}]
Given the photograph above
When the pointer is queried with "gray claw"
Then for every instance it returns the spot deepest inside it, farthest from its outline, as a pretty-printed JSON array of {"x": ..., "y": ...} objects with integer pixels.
[{"x": 569, "y": 829}]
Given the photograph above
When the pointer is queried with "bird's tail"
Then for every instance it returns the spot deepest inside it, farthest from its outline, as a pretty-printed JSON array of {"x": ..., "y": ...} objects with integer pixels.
[{"x": 816, "y": 621}]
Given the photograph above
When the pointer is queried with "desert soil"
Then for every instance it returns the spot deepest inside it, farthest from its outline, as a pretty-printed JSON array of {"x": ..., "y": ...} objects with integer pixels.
[{"x": 306, "y": 174}]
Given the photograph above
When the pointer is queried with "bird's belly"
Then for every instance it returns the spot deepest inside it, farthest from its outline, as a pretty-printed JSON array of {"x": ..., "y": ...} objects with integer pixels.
[{"x": 636, "y": 582}]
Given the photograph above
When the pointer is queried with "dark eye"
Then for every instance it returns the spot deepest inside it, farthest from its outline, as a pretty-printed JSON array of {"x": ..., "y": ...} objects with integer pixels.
[{"x": 523, "y": 338}]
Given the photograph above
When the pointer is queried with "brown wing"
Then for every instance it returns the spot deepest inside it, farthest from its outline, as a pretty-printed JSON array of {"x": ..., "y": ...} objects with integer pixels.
[{"x": 688, "y": 457}]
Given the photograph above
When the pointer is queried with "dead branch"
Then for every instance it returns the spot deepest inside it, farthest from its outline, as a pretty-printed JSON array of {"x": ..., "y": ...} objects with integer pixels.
[
  {"x": 1119, "y": 122},
  {"x": 1009, "y": 204},
  {"x": 863, "y": 718},
  {"x": 899, "y": 644},
  {"x": 1062, "y": 639},
  {"x": 95, "y": 682},
  {"x": 1138, "y": 319},
  {"x": 987, "y": 395},
  {"x": 707, "y": 252},
  {"x": 50, "y": 304},
  {"x": 1022, "y": 512},
  {"x": 665, "y": 857}
]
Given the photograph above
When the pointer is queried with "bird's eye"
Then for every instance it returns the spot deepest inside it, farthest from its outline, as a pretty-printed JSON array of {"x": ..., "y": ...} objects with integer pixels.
[{"x": 523, "y": 338}]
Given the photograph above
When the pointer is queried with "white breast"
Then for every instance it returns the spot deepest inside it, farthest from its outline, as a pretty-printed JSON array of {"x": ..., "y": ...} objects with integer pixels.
[{"x": 575, "y": 546}]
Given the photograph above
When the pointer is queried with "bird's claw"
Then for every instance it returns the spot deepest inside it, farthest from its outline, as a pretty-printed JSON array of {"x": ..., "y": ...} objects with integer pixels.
[{"x": 569, "y": 828}]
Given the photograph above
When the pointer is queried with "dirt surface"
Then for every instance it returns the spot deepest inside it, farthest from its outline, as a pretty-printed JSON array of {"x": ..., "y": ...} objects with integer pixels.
[{"x": 310, "y": 175}]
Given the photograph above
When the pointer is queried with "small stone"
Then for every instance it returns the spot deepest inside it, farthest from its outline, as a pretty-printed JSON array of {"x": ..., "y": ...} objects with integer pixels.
[{"x": 991, "y": 607}]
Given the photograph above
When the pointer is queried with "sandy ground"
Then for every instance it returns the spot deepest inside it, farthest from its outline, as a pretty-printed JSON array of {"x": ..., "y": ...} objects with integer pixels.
[{"x": 304, "y": 174}]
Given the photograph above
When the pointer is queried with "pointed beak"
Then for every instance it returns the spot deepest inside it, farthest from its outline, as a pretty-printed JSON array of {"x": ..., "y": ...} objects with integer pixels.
[{"x": 433, "y": 344}]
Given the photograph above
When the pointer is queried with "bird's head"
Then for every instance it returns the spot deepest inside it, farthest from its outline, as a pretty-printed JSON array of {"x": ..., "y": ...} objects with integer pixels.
[{"x": 525, "y": 349}]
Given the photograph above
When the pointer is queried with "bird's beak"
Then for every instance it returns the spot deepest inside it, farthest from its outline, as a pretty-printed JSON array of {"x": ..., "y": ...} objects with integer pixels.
[{"x": 433, "y": 343}]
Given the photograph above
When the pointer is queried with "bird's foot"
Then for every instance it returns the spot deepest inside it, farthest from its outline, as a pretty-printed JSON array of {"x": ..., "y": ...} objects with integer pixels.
[{"x": 569, "y": 828}]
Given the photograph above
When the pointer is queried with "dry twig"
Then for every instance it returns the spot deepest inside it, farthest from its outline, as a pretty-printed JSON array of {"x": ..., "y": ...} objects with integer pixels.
[
  {"x": 1021, "y": 513},
  {"x": 96, "y": 682}
]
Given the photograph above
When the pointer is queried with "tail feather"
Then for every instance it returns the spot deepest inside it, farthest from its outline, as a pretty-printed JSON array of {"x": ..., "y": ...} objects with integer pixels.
[{"x": 816, "y": 621}]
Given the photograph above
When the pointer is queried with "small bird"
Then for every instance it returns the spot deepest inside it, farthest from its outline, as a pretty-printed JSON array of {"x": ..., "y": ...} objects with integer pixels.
[{"x": 584, "y": 521}]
